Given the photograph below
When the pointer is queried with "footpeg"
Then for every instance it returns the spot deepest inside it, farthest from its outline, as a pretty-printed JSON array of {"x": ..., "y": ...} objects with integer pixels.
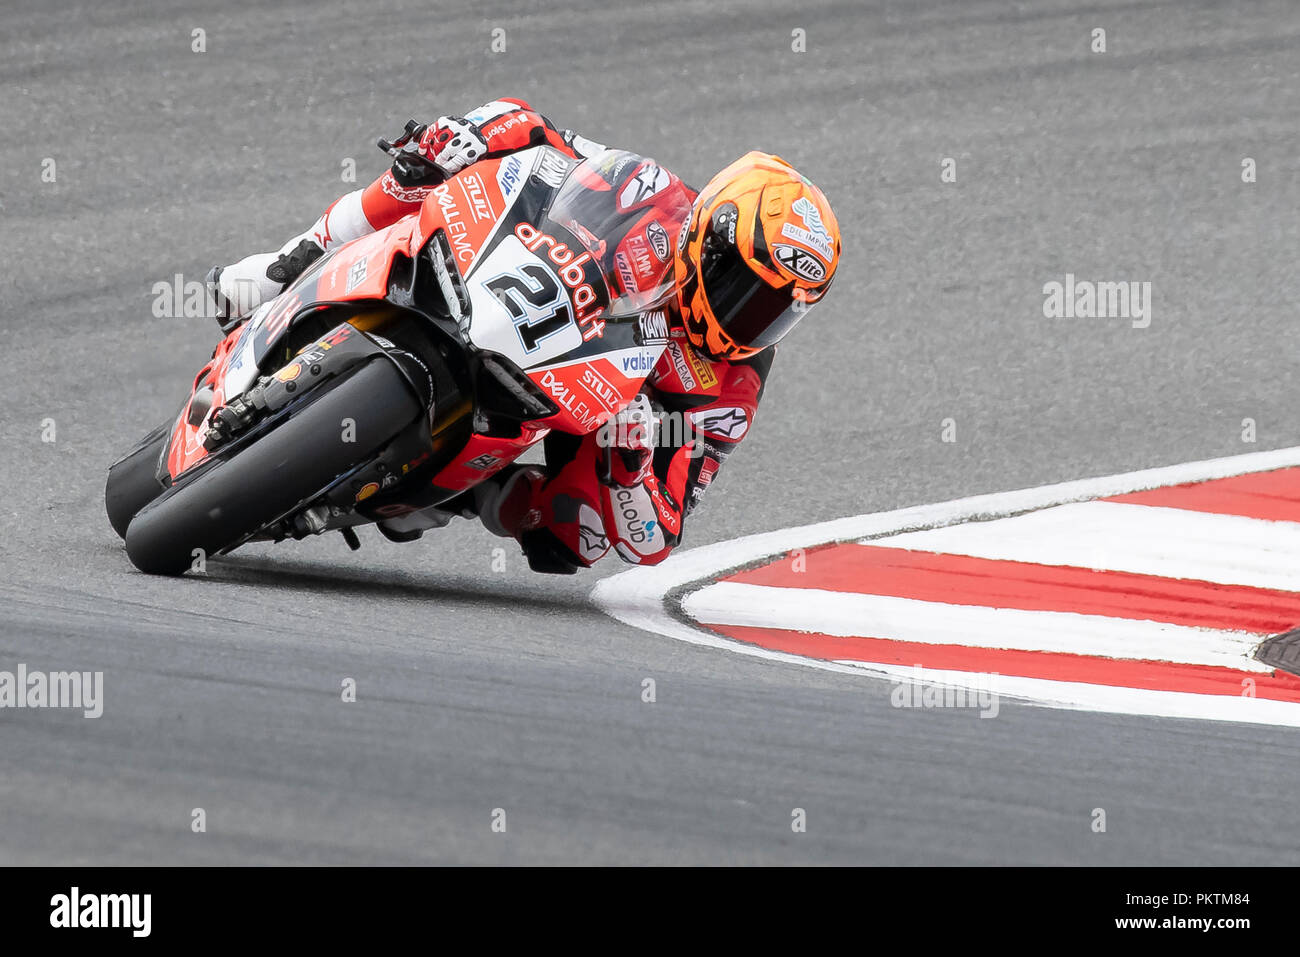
[{"x": 312, "y": 521}]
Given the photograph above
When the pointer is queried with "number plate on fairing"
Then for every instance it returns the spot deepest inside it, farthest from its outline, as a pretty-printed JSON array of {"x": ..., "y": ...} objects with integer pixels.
[
  {"x": 520, "y": 307},
  {"x": 538, "y": 296}
]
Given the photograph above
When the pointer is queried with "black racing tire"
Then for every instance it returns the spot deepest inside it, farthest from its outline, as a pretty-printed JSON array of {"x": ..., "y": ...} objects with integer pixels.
[
  {"x": 133, "y": 480},
  {"x": 294, "y": 461}
]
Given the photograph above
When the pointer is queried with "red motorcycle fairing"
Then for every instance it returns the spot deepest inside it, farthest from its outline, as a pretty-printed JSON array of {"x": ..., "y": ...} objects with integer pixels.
[{"x": 535, "y": 293}]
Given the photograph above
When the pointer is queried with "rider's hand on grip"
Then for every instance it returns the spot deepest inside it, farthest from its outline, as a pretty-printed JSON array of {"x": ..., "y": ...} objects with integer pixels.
[
  {"x": 411, "y": 167},
  {"x": 627, "y": 441},
  {"x": 453, "y": 143}
]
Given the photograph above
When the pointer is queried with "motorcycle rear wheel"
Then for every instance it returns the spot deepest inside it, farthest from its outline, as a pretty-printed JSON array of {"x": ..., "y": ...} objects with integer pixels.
[{"x": 133, "y": 480}]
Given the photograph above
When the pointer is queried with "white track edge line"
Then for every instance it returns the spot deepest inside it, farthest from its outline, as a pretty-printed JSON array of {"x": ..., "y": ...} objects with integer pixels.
[{"x": 638, "y": 596}]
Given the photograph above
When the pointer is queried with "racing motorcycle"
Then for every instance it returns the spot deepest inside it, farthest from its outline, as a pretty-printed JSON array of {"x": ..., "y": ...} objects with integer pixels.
[{"x": 404, "y": 368}]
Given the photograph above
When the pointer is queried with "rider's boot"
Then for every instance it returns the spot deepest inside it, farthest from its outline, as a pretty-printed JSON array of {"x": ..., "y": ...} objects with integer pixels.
[
  {"x": 241, "y": 287},
  {"x": 504, "y": 502}
]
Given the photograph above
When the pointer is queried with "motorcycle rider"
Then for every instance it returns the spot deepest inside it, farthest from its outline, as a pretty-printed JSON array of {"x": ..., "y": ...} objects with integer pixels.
[{"x": 760, "y": 247}]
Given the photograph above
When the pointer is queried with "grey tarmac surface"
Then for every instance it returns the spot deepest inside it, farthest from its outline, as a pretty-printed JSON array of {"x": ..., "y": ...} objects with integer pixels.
[{"x": 480, "y": 689}]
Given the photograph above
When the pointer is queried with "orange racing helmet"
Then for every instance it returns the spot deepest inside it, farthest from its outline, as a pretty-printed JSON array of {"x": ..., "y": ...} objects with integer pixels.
[{"x": 760, "y": 248}]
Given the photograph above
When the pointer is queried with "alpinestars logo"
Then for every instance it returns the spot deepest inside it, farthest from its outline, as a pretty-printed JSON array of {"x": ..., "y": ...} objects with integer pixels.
[
  {"x": 729, "y": 423},
  {"x": 647, "y": 181},
  {"x": 592, "y": 542},
  {"x": 403, "y": 194}
]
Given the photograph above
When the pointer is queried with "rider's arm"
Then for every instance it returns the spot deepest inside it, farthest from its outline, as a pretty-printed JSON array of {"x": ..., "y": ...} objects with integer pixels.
[
  {"x": 722, "y": 422},
  {"x": 510, "y": 124},
  {"x": 702, "y": 420},
  {"x": 494, "y": 129}
]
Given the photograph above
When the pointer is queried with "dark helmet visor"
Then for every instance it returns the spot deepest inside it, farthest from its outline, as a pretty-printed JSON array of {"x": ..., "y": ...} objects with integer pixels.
[{"x": 754, "y": 314}]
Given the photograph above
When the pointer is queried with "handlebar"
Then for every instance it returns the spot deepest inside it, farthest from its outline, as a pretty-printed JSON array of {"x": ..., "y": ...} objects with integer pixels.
[
  {"x": 408, "y": 162},
  {"x": 412, "y": 131}
]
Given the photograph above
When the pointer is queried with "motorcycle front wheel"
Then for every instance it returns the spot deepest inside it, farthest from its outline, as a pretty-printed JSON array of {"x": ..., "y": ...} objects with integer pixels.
[{"x": 280, "y": 471}]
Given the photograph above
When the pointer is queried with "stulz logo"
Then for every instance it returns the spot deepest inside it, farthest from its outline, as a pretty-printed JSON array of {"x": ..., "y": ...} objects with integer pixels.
[
  {"x": 595, "y": 383},
  {"x": 131, "y": 911},
  {"x": 471, "y": 184}
]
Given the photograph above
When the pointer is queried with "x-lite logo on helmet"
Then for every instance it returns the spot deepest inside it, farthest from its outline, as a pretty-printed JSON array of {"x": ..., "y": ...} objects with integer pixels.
[
  {"x": 761, "y": 247},
  {"x": 800, "y": 262}
]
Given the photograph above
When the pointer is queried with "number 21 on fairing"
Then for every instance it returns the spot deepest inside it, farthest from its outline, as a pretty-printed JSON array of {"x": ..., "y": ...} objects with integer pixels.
[{"x": 537, "y": 304}]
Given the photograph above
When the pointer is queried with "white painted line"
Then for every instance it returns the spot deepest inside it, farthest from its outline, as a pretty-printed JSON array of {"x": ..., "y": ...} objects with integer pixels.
[
  {"x": 1077, "y": 696},
  {"x": 637, "y": 597},
  {"x": 648, "y": 584},
  {"x": 1146, "y": 540},
  {"x": 935, "y": 623}
]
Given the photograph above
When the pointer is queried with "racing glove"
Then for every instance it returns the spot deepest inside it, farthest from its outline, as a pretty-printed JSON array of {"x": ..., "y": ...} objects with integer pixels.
[
  {"x": 494, "y": 129},
  {"x": 452, "y": 144},
  {"x": 627, "y": 443}
]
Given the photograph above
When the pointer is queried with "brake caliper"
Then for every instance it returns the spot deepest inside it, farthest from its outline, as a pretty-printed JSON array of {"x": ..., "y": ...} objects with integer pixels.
[
  {"x": 271, "y": 394},
  {"x": 330, "y": 356},
  {"x": 234, "y": 417}
]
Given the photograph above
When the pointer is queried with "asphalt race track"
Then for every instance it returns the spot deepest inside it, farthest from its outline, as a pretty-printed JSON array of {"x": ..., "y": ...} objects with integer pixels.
[{"x": 480, "y": 689}]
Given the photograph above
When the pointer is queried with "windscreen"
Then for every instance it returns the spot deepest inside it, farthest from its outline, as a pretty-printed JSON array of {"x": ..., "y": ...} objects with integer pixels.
[{"x": 626, "y": 210}]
